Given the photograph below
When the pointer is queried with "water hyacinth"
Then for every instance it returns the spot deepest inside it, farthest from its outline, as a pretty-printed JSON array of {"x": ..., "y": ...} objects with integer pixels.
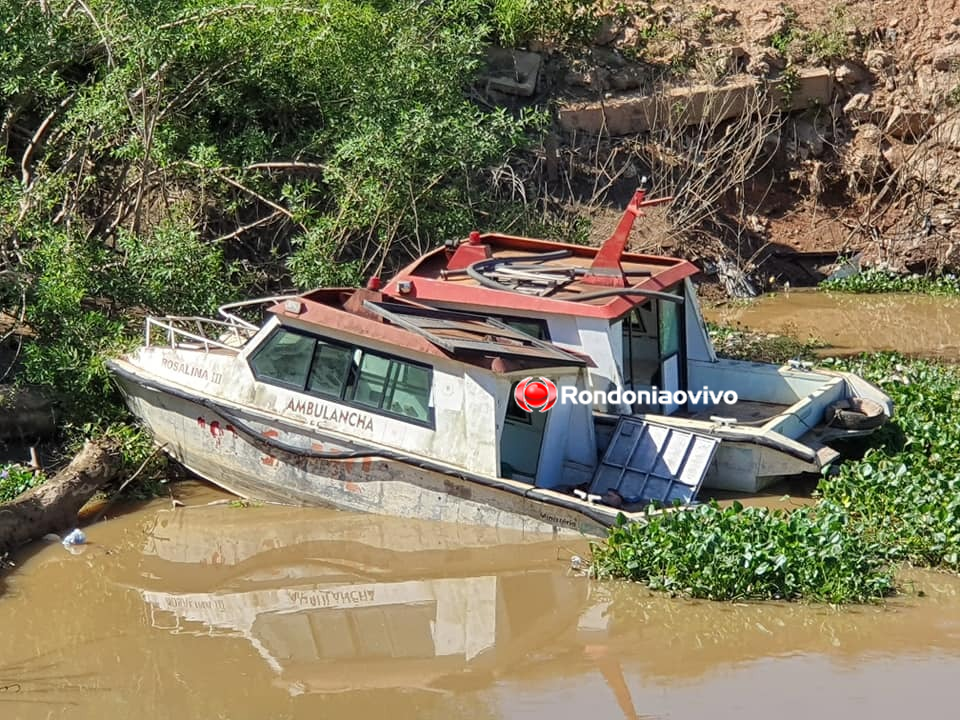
[
  {"x": 905, "y": 491},
  {"x": 748, "y": 553},
  {"x": 882, "y": 281}
]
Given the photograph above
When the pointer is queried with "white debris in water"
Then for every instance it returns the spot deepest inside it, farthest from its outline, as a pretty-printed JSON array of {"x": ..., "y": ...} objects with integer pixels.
[{"x": 76, "y": 537}]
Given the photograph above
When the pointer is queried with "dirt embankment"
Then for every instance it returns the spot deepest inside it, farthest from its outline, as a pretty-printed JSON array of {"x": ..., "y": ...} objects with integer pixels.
[{"x": 794, "y": 133}]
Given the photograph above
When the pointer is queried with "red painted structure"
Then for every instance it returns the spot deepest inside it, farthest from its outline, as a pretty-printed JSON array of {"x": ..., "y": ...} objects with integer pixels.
[{"x": 606, "y": 268}]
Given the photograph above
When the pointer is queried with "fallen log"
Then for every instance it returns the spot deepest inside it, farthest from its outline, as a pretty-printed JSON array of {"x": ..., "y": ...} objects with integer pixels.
[{"x": 53, "y": 506}]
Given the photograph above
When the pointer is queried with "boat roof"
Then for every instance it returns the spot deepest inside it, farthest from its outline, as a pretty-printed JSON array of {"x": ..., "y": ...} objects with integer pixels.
[
  {"x": 505, "y": 272},
  {"x": 467, "y": 337},
  {"x": 431, "y": 280}
]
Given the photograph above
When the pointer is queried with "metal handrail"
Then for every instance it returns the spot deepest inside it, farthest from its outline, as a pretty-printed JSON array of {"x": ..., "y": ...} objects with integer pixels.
[
  {"x": 176, "y": 335},
  {"x": 225, "y": 310},
  {"x": 230, "y": 322}
]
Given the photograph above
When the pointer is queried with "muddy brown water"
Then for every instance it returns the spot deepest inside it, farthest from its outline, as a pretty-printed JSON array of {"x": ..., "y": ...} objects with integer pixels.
[
  {"x": 916, "y": 325},
  {"x": 267, "y": 612}
]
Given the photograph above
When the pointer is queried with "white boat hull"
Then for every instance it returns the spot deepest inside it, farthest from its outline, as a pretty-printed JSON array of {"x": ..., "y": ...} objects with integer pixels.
[{"x": 206, "y": 443}]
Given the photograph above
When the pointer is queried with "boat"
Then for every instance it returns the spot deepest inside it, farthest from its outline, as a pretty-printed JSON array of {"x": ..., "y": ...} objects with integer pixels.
[{"x": 507, "y": 381}]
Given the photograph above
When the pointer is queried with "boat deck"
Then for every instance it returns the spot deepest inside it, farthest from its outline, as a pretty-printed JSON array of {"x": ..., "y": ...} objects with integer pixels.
[{"x": 746, "y": 412}]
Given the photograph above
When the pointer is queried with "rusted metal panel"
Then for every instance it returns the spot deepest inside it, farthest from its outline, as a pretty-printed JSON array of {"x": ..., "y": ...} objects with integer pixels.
[{"x": 460, "y": 331}]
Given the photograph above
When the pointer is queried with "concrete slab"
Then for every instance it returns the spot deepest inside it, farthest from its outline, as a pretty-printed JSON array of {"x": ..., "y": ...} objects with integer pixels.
[
  {"x": 513, "y": 72},
  {"x": 631, "y": 114}
]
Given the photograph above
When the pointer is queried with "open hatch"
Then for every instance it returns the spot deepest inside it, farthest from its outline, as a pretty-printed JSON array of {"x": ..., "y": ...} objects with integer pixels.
[{"x": 648, "y": 463}]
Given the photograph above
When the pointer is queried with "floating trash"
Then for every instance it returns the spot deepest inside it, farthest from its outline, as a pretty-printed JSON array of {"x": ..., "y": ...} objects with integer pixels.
[{"x": 75, "y": 538}]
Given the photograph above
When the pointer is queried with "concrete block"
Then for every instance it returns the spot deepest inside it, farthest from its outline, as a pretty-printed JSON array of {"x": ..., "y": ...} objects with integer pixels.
[
  {"x": 814, "y": 87},
  {"x": 630, "y": 114},
  {"x": 512, "y": 72}
]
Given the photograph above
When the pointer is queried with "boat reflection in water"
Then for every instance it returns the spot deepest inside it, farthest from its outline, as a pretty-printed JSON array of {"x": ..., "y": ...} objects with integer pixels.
[{"x": 336, "y": 602}]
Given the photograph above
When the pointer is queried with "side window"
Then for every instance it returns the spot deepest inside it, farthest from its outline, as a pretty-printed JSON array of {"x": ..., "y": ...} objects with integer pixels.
[
  {"x": 346, "y": 373},
  {"x": 395, "y": 386},
  {"x": 409, "y": 392},
  {"x": 372, "y": 381},
  {"x": 331, "y": 367},
  {"x": 534, "y": 327},
  {"x": 284, "y": 359}
]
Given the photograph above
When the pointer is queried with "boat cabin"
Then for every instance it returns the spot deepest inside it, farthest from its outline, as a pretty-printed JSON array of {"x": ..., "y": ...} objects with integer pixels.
[
  {"x": 636, "y": 316},
  {"x": 430, "y": 382}
]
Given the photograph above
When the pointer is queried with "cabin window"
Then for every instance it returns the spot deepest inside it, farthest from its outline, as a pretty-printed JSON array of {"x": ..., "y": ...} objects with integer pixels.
[
  {"x": 284, "y": 359},
  {"x": 669, "y": 328},
  {"x": 348, "y": 374},
  {"x": 530, "y": 326},
  {"x": 331, "y": 365},
  {"x": 374, "y": 373},
  {"x": 408, "y": 393}
]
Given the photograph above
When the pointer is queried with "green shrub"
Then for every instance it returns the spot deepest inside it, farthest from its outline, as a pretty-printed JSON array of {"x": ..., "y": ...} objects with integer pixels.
[
  {"x": 560, "y": 23},
  {"x": 16, "y": 480}
]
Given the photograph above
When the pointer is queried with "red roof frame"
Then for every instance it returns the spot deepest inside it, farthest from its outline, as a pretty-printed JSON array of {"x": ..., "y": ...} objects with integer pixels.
[{"x": 667, "y": 271}]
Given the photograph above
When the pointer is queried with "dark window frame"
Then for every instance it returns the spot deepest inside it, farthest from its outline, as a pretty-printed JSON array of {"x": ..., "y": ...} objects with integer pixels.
[
  {"x": 514, "y": 412},
  {"x": 353, "y": 374},
  {"x": 540, "y": 322}
]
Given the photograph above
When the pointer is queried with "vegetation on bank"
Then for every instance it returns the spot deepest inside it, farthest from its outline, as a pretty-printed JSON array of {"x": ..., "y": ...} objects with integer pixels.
[
  {"x": 881, "y": 281},
  {"x": 899, "y": 502},
  {"x": 16, "y": 479},
  {"x": 170, "y": 155},
  {"x": 741, "y": 344}
]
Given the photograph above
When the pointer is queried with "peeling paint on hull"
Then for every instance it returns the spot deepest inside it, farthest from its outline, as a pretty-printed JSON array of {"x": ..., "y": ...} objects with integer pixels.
[{"x": 208, "y": 445}]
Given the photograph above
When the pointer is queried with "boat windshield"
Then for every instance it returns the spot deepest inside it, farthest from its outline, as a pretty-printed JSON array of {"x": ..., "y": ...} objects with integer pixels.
[{"x": 346, "y": 373}]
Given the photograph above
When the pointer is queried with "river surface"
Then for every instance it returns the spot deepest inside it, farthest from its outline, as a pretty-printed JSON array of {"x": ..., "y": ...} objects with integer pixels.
[
  {"x": 215, "y": 611},
  {"x": 916, "y": 325}
]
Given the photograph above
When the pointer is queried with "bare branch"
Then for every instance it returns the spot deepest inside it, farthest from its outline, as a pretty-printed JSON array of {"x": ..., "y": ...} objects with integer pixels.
[
  {"x": 25, "y": 174},
  {"x": 249, "y": 226}
]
